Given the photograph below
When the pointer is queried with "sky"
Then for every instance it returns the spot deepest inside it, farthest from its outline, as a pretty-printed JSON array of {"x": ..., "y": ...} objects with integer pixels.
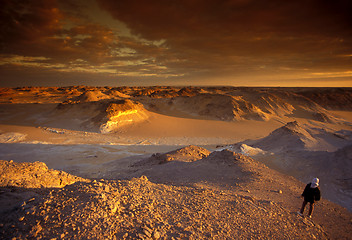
[{"x": 176, "y": 42}]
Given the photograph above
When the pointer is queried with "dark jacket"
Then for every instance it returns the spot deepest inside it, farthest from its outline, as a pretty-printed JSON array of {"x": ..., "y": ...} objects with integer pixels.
[{"x": 311, "y": 194}]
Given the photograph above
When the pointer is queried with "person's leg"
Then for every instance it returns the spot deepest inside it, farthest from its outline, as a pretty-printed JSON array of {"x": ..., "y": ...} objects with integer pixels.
[
  {"x": 303, "y": 206},
  {"x": 311, "y": 208}
]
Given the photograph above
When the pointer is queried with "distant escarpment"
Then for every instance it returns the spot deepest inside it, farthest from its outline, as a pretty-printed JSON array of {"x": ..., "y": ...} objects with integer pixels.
[
  {"x": 242, "y": 104},
  {"x": 331, "y": 98},
  {"x": 214, "y": 103}
]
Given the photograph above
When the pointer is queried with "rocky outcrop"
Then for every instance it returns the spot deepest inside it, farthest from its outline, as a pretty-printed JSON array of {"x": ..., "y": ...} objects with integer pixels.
[
  {"x": 34, "y": 175},
  {"x": 121, "y": 113},
  {"x": 104, "y": 116},
  {"x": 186, "y": 154}
]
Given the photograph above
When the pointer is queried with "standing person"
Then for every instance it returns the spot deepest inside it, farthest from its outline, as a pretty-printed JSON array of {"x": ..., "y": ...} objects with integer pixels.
[{"x": 310, "y": 194}]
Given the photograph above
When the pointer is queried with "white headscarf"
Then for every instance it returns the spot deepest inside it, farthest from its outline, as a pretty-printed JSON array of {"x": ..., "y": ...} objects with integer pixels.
[{"x": 315, "y": 183}]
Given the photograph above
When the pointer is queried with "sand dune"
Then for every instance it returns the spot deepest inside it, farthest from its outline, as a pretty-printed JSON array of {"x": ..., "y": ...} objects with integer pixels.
[{"x": 292, "y": 135}]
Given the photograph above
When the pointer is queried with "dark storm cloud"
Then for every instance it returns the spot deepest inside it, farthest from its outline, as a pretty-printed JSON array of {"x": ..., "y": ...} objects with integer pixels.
[
  {"x": 213, "y": 33},
  {"x": 40, "y": 28},
  {"x": 61, "y": 36},
  {"x": 183, "y": 18},
  {"x": 23, "y": 22}
]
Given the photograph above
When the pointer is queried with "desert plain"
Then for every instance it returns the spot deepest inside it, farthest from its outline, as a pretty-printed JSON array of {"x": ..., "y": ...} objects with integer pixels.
[{"x": 174, "y": 162}]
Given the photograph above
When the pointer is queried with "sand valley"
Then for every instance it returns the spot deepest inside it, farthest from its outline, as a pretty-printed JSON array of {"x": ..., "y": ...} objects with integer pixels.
[{"x": 174, "y": 162}]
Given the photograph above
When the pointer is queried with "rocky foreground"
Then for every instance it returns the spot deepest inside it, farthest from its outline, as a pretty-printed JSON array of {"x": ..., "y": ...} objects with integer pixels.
[{"x": 247, "y": 201}]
